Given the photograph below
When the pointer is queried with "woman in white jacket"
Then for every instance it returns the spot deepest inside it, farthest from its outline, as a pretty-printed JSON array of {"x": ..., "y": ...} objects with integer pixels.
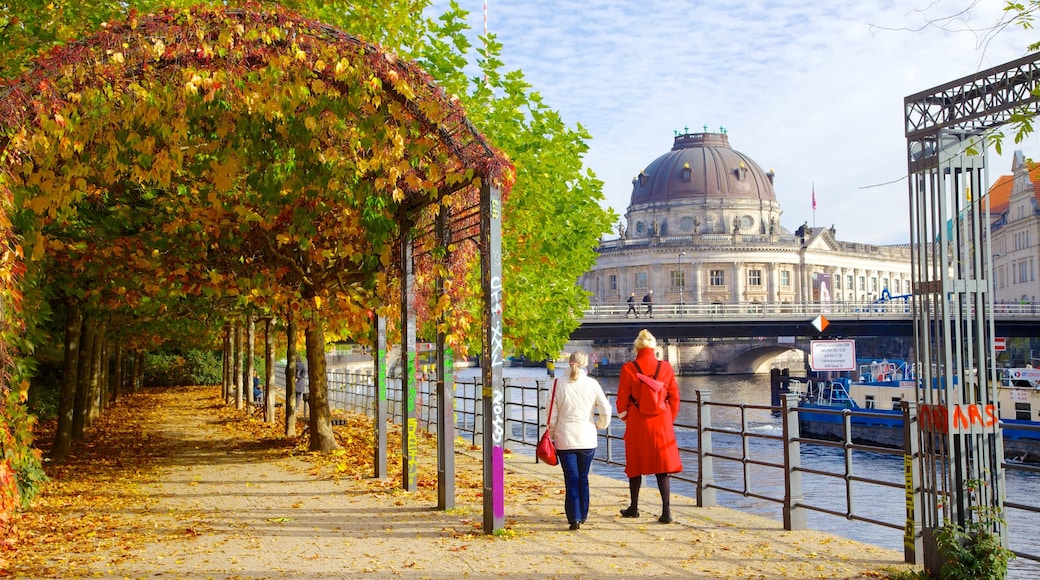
[{"x": 578, "y": 409}]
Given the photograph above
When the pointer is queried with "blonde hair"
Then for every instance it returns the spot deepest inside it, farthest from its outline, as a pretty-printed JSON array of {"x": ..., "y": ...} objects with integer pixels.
[
  {"x": 579, "y": 360},
  {"x": 645, "y": 340}
]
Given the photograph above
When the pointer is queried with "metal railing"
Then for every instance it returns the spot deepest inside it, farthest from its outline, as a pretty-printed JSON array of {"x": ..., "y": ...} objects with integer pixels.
[
  {"x": 896, "y": 309},
  {"x": 1013, "y": 505},
  {"x": 751, "y": 463}
]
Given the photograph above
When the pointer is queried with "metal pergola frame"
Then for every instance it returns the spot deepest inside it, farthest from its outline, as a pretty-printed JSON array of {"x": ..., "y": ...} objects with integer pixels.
[{"x": 961, "y": 454}]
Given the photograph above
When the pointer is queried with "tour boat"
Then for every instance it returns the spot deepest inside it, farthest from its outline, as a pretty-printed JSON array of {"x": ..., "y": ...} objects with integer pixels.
[{"x": 880, "y": 386}]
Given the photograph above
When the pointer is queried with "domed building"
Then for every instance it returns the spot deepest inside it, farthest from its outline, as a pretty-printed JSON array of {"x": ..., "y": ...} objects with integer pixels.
[{"x": 704, "y": 227}]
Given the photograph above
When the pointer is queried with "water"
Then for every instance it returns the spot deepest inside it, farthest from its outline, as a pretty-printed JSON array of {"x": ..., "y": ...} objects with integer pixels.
[{"x": 881, "y": 503}]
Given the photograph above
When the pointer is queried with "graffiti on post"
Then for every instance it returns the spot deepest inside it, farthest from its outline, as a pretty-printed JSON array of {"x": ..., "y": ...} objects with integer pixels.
[{"x": 411, "y": 461}]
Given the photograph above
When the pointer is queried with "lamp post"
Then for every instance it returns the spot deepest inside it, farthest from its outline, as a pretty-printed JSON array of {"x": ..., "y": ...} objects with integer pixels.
[{"x": 682, "y": 279}]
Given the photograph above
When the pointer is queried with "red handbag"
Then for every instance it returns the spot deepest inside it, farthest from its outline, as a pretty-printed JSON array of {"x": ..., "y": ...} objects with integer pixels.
[{"x": 546, "y": 450}]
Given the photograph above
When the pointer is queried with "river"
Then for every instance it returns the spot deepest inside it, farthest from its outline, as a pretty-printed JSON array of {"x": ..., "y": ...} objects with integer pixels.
[{"x": 877, "y": 502}]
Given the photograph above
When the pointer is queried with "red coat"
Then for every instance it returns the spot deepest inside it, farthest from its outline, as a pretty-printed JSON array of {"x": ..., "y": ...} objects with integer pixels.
[{"x": 650, "y": 445}]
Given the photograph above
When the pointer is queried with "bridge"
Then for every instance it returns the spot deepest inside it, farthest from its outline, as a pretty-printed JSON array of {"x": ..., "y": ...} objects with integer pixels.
[{"x": 675, "y": 320}]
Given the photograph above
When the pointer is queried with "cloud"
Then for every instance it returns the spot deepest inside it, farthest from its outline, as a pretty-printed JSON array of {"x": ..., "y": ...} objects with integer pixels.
[{"x": 811, "y": 88}]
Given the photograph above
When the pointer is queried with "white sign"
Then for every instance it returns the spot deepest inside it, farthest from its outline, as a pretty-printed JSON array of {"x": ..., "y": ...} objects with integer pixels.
[
  {"x": 833, "y": 355},
  {"x": 1026, "y": 374}
]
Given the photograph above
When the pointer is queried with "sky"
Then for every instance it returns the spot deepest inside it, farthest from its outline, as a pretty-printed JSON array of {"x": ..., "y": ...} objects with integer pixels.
[{"x": 812, "y": 89}]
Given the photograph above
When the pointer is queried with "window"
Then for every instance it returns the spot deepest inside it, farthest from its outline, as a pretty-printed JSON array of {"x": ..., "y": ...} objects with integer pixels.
[
  {"x": 896, "y": 401},
  {"x": 873, "y": 284},
  {"x": 850, "y": 285},
  {"x": 641, "y": 280},
  {"x": 884, "y": 283},
  {"x": 678, "y": 279},
  {"x": 754, "y": 277},
  {"x": 717, "y": 278},
  {"x": 862, "y": 283},
  {"x": 895, "y": 284},
  {"x": 870, "y": 404},
  {"x": 785, "y": 277},
  {"x": 613, "y": 282},
  {"x": 1023, "y": 411},
  {"x": 837, "y": 282}
]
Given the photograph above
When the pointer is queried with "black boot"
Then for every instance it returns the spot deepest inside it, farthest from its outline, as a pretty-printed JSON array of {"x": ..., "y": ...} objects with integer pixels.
[
  {"x": 632, "y": 511},
  {"x": 664, "y": 484}
]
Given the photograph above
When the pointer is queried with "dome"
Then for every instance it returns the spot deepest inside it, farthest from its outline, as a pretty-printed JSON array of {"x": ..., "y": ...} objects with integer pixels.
[{"x": 702, "y": 167}]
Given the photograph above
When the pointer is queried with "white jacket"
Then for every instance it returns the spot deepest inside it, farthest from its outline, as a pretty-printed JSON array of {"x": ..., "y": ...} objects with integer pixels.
[{"x": 573, "y": 422}]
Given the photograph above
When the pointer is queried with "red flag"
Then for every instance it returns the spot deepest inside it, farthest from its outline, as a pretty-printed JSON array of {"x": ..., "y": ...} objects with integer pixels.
[{"x": 814, "y": 197}]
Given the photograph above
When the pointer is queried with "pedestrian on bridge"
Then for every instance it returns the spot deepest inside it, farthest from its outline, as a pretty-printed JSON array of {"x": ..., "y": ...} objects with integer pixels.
[
  {"x": 579, "y": 408},
  {"x": 631, "y": 305},
  {"x": 649, "y": 301},
  {"x": 650, "y": 444}
]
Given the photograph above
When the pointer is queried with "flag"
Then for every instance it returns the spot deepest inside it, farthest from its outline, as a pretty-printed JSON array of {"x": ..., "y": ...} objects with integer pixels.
[{"x": 814, "y": 197}]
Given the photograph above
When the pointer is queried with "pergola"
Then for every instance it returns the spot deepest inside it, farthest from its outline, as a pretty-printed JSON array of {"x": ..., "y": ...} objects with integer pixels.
[
  {"x": 408, "y": 144},
  {"x": 961, "y": 454}
]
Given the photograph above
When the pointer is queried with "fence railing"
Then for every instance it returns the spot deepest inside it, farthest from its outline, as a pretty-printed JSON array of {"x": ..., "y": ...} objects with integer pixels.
[
  {"x": 730, "y": 456},
  {"x": 839, "y": 309}
]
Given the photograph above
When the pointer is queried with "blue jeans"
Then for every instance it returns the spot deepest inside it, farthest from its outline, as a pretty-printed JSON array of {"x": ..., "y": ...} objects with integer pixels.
[{"x": 576, "y": 464}]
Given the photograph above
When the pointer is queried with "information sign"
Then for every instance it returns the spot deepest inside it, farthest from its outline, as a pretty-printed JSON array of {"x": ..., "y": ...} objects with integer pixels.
[{"x": 833, "y": 355}]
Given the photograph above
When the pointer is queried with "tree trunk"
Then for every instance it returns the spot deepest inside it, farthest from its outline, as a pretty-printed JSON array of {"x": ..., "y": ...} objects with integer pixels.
[
  {"x": 117, "y": 372},
  {"x": 250, "y": 368},
  {"x": 67, "y": 397},
  {"x": 225, "y": 384},
  {"x": 290, "y": 377},
  {"x": 322, "y": 437},
  {"x": 269, "y": 371},
  {"x": 138, "y": 374},
  {"x": 104, "y": 374},
  {"x": 239, "y": 400},
  {"x": 79, "y": 411},
  {"x": 94, "y": 400}
]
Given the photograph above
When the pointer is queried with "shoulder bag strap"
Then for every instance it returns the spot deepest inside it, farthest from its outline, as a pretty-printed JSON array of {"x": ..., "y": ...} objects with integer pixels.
[{"x": 551, "y": 399}]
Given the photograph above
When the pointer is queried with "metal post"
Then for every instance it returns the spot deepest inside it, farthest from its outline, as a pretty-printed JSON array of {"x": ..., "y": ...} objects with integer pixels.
[
  {"x": 794, "y": 513},
  {"x": 705, "y": 462},
  {"x": 913, "y": 541},
  {"x": 409, "y": 423},
  {"x": 445, "y": 394},
  {"x": 380, "y": 379},
  {"x": 493, "y": 393}
]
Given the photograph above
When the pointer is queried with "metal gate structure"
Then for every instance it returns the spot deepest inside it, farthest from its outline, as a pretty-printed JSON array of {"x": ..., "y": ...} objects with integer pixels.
[{"x": 961, "y": 455}]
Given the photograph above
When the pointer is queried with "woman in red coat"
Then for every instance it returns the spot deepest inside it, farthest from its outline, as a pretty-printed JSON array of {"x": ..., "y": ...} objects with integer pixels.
[{"x": 650, "y": 445}]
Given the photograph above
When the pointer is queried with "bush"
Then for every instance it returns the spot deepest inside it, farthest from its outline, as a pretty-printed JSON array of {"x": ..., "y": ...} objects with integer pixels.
[
  {"x": 192, "y": 367},
  {"x": 972, "y": 553}
]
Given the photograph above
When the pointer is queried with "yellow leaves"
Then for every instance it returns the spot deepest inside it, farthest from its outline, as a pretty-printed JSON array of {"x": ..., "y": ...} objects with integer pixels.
[
  {"x": 223, "y": 174},
  {"x": 342, "y": 66},
  {"x": 117, "y": 57},
  {"x": 159, "y": 49},
  {"x": 39, "y": 247},
  {"x": 318, "y": 87},
  {"x": 311, "y": 123}
]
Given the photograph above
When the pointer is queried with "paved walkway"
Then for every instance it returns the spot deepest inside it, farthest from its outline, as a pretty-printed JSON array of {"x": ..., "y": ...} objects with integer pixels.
[{"x": 222, "y": 507}]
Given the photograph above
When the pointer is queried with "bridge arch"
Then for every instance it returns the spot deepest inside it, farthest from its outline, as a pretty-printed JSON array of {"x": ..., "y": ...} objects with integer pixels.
[{"x": 758, "y": 359}]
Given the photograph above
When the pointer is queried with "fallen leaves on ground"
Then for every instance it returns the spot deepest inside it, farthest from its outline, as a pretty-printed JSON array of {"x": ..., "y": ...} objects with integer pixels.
[{"x": 92, "y": 502}]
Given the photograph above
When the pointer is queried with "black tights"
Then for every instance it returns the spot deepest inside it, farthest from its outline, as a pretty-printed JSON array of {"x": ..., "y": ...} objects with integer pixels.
[{"x": 664, "y": 484}]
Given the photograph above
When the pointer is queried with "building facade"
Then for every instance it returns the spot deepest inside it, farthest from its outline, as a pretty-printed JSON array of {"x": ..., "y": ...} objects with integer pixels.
[
  {"x": 704, "y": 227},
  {"x": 1015, "y": 233}
]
